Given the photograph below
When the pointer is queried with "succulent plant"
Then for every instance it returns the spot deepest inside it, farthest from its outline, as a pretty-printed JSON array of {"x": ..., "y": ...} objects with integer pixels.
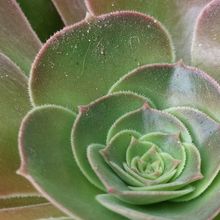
[{"x": 115, "y": 116}]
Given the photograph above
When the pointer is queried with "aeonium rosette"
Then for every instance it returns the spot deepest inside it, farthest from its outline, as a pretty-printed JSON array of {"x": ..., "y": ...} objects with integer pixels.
[
  {"x": 116, "y": 130},
  {"x": 147, "y": 145}
]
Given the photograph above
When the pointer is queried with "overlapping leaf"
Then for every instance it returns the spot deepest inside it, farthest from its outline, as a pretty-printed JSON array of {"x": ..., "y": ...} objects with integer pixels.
[
  {"x": 118, "y": 146},
  {"x": 96, "y": 48},
  {"x": 178, "y": 16}
]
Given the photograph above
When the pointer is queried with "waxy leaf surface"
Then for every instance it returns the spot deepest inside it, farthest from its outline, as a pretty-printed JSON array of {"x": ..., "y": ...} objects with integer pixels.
[
  {"x": 81, "y": 62},
  {"x": 169, "y": 85},
  {"x": 56, "y": 174},
  {"x": 178, "y": 16},
  {"x": 170, "y": 210},
  {"x": 93, "y": 122}
]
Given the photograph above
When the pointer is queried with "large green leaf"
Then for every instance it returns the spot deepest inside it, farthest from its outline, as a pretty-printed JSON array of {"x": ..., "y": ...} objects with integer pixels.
[
  {"x": 174, "y": 85},
  {"x": 14, "y": 103},
  {"x": 82, "y": 61},
  {"x": 178, "y": 16},
  {"x": 71, "y": 11},
  {"x": 205, "y": 207},
  {"x": 17, "y": 40},
  {"x": 43, "y": 17},
  {"x": 48, "y": 163},
  {"x": 206, "y": 41}
]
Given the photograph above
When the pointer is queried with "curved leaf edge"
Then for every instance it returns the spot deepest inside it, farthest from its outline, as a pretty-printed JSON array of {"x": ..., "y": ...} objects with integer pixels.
[
  {"x": 179, "y": 63},
  {"x": 83, "y": 109},
  {"x": 23, "y": 170},
  {"x": 89, "y": 18},
  {"x": 208, "y": 7},
  {"x": 194, "y": 70}
]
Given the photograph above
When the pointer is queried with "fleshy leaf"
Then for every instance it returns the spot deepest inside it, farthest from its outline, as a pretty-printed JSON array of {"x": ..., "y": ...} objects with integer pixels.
[
  {"x": 190, "y": 173},
  {"x": 71, "y": 11},
  {"x": 147, "y": 183},
  {"x": 17, "y": 40},
  {"x": 93, "y": 122},
  {"x": 179, "y": 17},
  {"x": 104, "y": 171},
  {"x": 170, "y": 144},
  {"x": 138, "y": 148},
  {"x": 151, "y": 120},
  {"x": 14, "y": 103},
  {"x": 116, "y": 149},
  {"x": 151, "y": 197},
  {"x": 194, "y": 209},
  {"x": 116, "y": 186},
  {"x": 81, "y": 62},
  {"x": 206, "y": 136},
  {"x": 31, "y": 212},
  {"x": 146, "y": 120},
  {"x": 206, "y": 40},
  {"x": 61, "y": 182},
  {"x": 127, "y": 177},
  {"x": 174, "y": 85},
  {"x": 43, "y": 17},
  {"x": 100, "y": 115}
]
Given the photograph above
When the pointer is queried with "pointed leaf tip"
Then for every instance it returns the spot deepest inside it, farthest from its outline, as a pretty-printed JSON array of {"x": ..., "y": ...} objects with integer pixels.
[
  {"x": 146, "y": 106},
  {"x": 83, "y": 109}
]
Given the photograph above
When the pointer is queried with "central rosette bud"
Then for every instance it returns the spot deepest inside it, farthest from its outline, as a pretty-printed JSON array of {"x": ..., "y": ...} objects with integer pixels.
[
  {"x": 145, "y": 159},
  {"x": 150, "y": 159},
  {"x": 150, "y": 165}
]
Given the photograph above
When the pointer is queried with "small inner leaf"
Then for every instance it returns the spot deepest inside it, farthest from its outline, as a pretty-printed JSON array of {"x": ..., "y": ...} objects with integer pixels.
[{"x": 137, "y": 148}]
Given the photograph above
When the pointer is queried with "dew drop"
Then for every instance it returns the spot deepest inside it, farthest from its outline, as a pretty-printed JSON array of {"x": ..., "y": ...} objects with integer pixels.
[{"x": 102, "y": 51}]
